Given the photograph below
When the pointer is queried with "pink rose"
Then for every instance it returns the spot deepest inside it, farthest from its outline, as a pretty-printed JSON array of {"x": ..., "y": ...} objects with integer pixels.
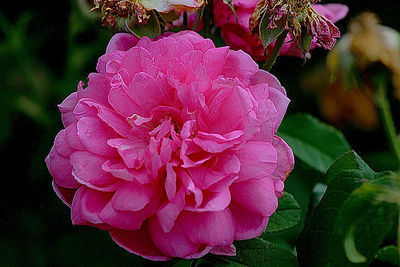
[
  {"x": 172, "y": 148},
  {"x": 237, "y": 34}
]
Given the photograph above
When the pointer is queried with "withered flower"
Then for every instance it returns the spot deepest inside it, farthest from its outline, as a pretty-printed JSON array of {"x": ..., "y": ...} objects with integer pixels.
[
  {"x": 140, "y": 9},
  {"x": 300, "y": 18},
  {"x": 338, "y": 105},
  {"x": 367, "y": 42}
]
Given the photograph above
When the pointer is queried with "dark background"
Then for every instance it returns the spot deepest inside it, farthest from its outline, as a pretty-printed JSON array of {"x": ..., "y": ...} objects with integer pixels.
[{"x": 46, "y": 47}]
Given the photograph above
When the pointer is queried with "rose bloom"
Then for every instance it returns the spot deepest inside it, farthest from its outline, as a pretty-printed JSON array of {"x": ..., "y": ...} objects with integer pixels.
[
  {"x": 172, "y": 148},
  {"x": 238, "y": 36}
]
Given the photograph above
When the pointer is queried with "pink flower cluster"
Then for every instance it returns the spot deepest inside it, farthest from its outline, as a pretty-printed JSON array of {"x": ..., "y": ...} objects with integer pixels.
[
  {"x": 172, "y": 148},
  {"x": 237, "y": 34}
]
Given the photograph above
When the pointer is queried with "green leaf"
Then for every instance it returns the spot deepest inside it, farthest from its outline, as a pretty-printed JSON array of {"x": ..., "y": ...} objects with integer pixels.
[
  {"x": 349, "y": 160},
  {"x": 350, "y": 247},
  {"x": 365, "y": 219},
  {"x": 230, "y": 4},
  {"x": 182, "y": 263},
  {"x": 199, "y": 16},
  {"x": 351, "y": 220},
  {"x": 389, "y": 254},
  {"x": 151, "y": 29},
  {"x": 313, "y": 245},
  {"x": 268, "y": 34},
  {"x": 314, "y": 142},
  {"x": 286, "y": 216},
  {"x": 258, "y": 252},
  {"x": 217, "y": 261},
  {"x": 305, "y": 43}
]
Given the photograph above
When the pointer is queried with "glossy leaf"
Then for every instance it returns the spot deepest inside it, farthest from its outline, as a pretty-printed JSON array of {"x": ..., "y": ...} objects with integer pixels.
[
  {"x": 286, "y": 216},
  {"x": 314, "y": 142}
]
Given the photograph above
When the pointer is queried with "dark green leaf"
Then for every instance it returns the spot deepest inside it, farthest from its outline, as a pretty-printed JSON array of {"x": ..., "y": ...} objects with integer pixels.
[
  {"x": 151, "y": 29},
  {"x": 217, "y": 261},
  {"x": 182, "y": 263},
  {"x": 349, "y": 223},
  {"x": 349, "y": 160},
  {"x": 389, "y": 254},
  {"x": 317, "y": 194},
  {"x": 314, "y": 142},
  {"x": 286, "y": 216},
  {"x": 364, "y": 220},
  {"x": 268, "y": 34},
  {"x": 313, "y": 240},
  {"x": 258, "y": 252}
]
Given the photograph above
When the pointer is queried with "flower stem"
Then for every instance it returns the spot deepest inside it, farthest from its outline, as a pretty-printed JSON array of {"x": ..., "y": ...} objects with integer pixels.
[
  {"x": 386, "y": 115},
  {"x": 398, "y": 215},
  {"x": 275, "y": 51},
  {"x": 207, "y": 19}
]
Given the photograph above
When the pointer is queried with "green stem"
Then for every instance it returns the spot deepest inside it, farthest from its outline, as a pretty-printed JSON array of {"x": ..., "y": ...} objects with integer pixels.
[
  {"x": 207, "y": 19},
  {"x": 398, "y": 230},
  {"x": 275, "y": 51},
  {"x": 386, "y": 116}
]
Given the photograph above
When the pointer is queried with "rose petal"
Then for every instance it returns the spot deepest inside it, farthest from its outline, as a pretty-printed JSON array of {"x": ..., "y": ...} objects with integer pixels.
[
  {"x": 138, "y": 242},
  {"x": 211, "y": 228},
  {"x": 174, "y": 243},
  {"x": 256, "y": 196}
]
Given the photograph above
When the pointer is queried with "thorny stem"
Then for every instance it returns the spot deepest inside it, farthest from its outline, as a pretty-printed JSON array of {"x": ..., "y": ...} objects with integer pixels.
[
  {"x": 386, "y": 116},
  {"x": 275, "y": 51}
]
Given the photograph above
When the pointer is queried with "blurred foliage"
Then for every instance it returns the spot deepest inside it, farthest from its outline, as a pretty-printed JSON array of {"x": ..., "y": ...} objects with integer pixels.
[{"x": 46, "y": 48}]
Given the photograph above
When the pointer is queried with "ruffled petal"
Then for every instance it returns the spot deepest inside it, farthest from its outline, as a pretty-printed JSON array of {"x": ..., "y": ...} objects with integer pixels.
[
  {"x": 248, "y": 224},
  {"x": 210, "y": 228},
  {"x": 94, "y": 135},
  {"x": 258, "y": 160},
  {"x": 133, "y": 197},
  {"x": 174, "y": 243},
  {"x": 121, "y": 41},
  {"x": 87, "y": 205},
  {"x": 285, "y": 161},
  {"x": 256, "y": 196},
  {"x": 128, "y": 220},
  {"x": 88, "y": 170},
  {"x": 61, "y": 169},
  {"x": 66, "y": 195},
  {"x": 138, "y": 242}
]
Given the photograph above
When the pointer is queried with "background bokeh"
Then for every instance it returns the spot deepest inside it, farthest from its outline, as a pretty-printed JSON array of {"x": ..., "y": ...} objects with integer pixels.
[{"x": 46, "y": 48}]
